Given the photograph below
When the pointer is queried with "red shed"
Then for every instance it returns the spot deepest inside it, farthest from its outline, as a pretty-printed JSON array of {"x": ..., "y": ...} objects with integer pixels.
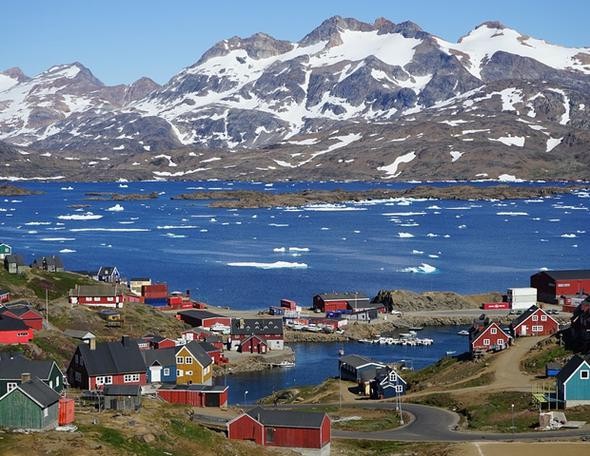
[
  {"x": 25, "y": 313},
  {"x": 551, "y": 285},
  {"x": 253, "y": 344},
  {"x": 66, "y": 411},
  {"x": 488, "y": 337},
  {"x": 534, "y": 322},
  {"x": 14, "y": 331},
  {"x": 283, "y": 428},
  {"x": 204, "y": 318},
  {"x": 195, "y": 395}
]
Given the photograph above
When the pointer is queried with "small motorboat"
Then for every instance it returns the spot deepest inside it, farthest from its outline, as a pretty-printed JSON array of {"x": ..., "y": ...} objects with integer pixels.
[
  {"x": 286, "y": 364},
  {"x": 451, "y": 352},
  {"x": 416, "y": 328},
  {"x": 463, "y": 332}
]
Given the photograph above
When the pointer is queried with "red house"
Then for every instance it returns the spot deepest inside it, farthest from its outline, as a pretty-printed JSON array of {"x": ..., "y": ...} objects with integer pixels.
[
  {"x": 200, "y": 334},
  {"x": 488, "y": 337},
  {"x": 97, "y": 295},
  {"x": 253, "y": 344},
  {"x": 158, "y": 342},
  {"x": 283, "y": 428},
  {"x": 195, "y": 395},
  {"x": 14, "y": 331},
  {"x": 4, "y": 296},
  {"x": 534, "y": 322},
  {"x": 203, "y": 318},
  {"x": 109, "y": 363},
  {"x": 24, "y": 312},
  {"x": 551, "y": 285}
]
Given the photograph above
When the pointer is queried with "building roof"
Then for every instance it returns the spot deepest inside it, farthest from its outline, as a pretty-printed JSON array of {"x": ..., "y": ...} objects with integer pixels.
[
  {"x": 207, "y": 346},
  {"x": 568, "y": 274},
  {"x": 570, "y": 367},
  {"x": 39, "y": 392},
  {"x": 106, "y": 270},
  {"x": 11, "y": 324},
  {"x": 198, "y": 352},
  {"x": 162, "y": 356},
  {"x": 94, "y": 290},
  {"x": 343, "y": 296},
  {"x": 13, "y": 365},
  {"x": 201, "y": 314},
  {"x": 112, "y": 358},
  {"x": 357, "y": 361},
  {"x": 19, "y": 309},
  {"x": 526, "y": 314},
  {"x": 258, "y": 326},
  {"x": 140, "y": 279},
  {"x": 122, "y": 390},
  {"x": 79, "y": 334},
  {"x": 364, "y": 306},
  {"x": 476, "y": 331},
  {"x": 287, "y": 418},
  {"x": 16, "y": 259},
  {"x": 209, "y": 336}
]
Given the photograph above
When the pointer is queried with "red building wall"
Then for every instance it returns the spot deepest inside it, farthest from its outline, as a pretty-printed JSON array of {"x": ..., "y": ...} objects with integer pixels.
[
  {"x": 572, "y": 287},
  {"x": 31, "y": 319},
  {"x": 550, "y": 326},
  {"x": 208, "y": 322},
  {"x": 118, "y": 380},
  {"x": 494, "y": 338},
  {"x": 22, "y": 336},
  {"x": 194, "y": 398},
  {"x": 246, "y": 428},
  {"x": 253, "y": 345}
]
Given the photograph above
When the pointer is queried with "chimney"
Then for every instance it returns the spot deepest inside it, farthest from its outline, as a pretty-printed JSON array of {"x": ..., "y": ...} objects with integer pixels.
[
  {"x": 92, "y": 343},
  {"x": 125, "y": 341},
  {"x": 25, "y": 377}
]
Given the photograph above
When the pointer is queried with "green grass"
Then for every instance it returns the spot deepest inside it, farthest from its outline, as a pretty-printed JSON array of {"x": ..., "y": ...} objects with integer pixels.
[
  {"x": 483, "y": 379},
  {"x": 191, "y": 431},
  {"x": 495, "y": 413},
  {"x": 121, "y": 444},
  {"x": 387, "y": 420},
  {"x": 536, "y": 361},
  {"x": 58, "y": 284},
  {"x": 11, "y": 280}
]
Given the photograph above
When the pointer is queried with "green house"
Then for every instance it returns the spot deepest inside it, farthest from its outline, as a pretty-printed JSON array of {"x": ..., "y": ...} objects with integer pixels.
[
  {"x": 14, "y": 365},
  {"x": 5, "y": 250},
  {"x": 573, "y": 382},
  {"x": 31, "y": 405}
]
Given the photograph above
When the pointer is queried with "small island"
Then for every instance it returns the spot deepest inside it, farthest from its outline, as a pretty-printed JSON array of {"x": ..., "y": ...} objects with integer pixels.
[
  {"x": 108, "y": 196},
  {"x": 11, "y": 190},
  {"x": 250, "y": 199}
]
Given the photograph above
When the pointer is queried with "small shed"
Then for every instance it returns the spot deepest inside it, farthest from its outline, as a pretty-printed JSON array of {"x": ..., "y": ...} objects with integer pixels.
[
  {"x": 122, "y": 397},
  {"x": 552, "y": 369},
  {"x": 30, "y": 405},
  {"x": 80, "y": 334},
  {"x": 14, "y": 264},
  {"x": 195, "y": 395}
]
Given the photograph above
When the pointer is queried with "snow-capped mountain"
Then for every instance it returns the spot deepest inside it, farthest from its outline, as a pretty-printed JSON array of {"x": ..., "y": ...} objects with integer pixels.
[{"x": 393, "y": 94}]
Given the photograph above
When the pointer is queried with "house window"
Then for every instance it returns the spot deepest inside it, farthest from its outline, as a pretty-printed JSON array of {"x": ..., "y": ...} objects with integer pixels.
[
  {"x": 543, "y": 317},
  {"x": 96, "y": 299},
  {"x": 45, "y": 413},
  {"x": 584, "y": 374},
  {"x": 179, "y": 360},
  {"x": 494, "y": 331},
  {"x": 166, "y": 371},
  {"x": 189, "y": 373},
  {"x": 537, "y": 329},
  {"x": 51, "y": 384},
  {"x": 206, "y": 370},
  {"x": 179, "y": 373},
  {"x": 399, "y": 389},
  {"x": 110, "y": 299},
  {"x": 104, "y": 380},
  {"x": 535, "y": 318},
  {"x": 131, "y": 378},
  {"x": 188, "y": 360},
  {"x": 22, "y": 334},
  {"x": 10, "y": 386},
  {"x": 486, "y": 342},
  {"x": 56, "y": 381}
]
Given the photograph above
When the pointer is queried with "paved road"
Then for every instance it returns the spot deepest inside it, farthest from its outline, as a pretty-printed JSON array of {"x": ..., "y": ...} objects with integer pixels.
[{"x": 432, "y": 424}]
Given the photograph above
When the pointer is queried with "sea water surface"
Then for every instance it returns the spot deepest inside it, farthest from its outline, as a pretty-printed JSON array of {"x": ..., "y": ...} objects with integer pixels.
[{"x": 250, "y": 258}]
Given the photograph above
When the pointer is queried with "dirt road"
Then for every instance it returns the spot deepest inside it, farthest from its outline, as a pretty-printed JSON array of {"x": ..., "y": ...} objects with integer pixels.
[{"x": 523, "y": 449}]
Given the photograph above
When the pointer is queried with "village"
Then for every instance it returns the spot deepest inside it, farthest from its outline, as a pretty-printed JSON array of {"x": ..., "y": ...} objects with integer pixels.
[{"x": 114, "y": 368}]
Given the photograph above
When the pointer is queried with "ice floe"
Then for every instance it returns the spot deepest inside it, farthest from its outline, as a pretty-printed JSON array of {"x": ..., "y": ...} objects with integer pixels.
[
  {"x": 274, "y": 265},
  {"x": 86, "y": 216},
  {"x": 423, "y": 268}
]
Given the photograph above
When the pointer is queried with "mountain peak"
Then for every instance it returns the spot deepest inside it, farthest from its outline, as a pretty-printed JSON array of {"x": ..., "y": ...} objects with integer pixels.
[
  {"x": 15, "y": 73},
  {"x": 492, "y": 24},
  {"x": 257, "y": 46},
  {"x": 329, "y": 30}
]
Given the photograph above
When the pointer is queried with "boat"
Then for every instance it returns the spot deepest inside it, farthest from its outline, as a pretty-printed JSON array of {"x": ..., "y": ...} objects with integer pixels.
[
  {"x": 285, "y": 363},
  {"x": 451, "y": 352},
  {"x": 463, "y": 332},
  {"x": 416, "y": 328}
]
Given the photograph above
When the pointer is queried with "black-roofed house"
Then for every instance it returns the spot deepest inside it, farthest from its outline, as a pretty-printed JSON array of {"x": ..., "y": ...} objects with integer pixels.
[
  {"x": 193, "y": 365},
  {"x": 109, "y": 274},
  {"x": 360, "y": 370},
  {"x": 13, "y": 365},
  {"x": 268, "y": 329},
  {"x": 30, "y": 405},
  {"x": 204, "y": 319},
  {"x": 25, "y": 312},
  {"x": 122, "y": 397},
  {"x": 95, "y": 365},
  {"x": 14, "y": 330},
  {"x": 160, "y": 365},
  {"x": 551, "y": 285},
  {"x": 283, "y": 428},
  {"x": 573, "y": 382},
  {"x": 97, "y": 296},
  {"x": 387, "y": 383},
  {"x": 14, "y": 264}
]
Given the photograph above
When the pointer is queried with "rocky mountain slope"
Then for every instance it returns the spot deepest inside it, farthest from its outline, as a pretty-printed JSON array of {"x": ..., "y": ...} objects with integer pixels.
[{"x": 349, "y": 100}]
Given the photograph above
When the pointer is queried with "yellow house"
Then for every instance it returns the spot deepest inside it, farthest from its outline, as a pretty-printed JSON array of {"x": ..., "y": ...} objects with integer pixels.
[{"x": 193, "y": 365}]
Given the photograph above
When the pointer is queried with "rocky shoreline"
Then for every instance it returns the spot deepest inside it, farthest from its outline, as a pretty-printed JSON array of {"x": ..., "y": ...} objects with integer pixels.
[
  {"x": 249, "y": 199},
  {"x": 108, "y": 196}
]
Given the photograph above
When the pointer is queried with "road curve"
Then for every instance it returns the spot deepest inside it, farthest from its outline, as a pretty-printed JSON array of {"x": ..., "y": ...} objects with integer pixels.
[{"x": 433, "y": 424}]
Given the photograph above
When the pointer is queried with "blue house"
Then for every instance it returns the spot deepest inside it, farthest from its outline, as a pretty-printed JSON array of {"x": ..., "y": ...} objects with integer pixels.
[
  {"x": 160, "y": 365},
  {"x": 387, "y": 384},
  {"x": 573, "y": 382}
]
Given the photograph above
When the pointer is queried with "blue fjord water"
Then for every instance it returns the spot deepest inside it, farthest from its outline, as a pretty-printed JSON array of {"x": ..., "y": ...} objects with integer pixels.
[{"x": 229, "y": 257}]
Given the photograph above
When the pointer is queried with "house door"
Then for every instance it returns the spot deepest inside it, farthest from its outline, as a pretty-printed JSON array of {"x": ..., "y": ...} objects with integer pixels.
[
  {"x": 523, "y": 330},
  {"x": 156, "y": 372}
]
